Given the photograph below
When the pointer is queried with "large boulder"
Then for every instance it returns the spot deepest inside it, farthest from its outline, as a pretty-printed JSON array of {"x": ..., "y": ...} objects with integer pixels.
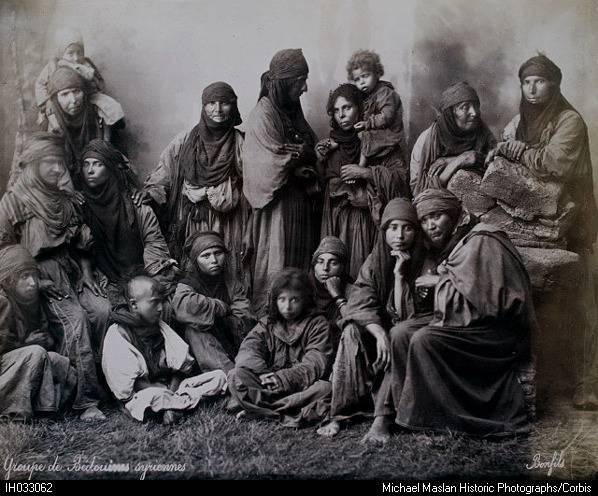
[
  {"x": 521, "y": 194},
  {"x": 542, "y": 233},
  {"x": 466, "y": 185},
  {"x": 552, "y": 269}
]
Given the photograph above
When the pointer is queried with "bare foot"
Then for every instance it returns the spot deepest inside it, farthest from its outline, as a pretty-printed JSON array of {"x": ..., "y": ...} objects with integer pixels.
[
  {"x": 91, "y": 414},
  {"x": 333, "y": 144},
  {"x": 330, "y": 429},
  {"x": 171, "y": 417},
  {"x": 379, "y": 432}
]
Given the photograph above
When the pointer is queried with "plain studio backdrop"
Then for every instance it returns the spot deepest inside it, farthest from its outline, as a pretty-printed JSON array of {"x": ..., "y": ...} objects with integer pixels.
[{"x": 156, "y": 56}]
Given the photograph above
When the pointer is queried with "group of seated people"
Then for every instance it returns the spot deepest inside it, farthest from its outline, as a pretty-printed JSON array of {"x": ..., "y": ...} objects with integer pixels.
[{"x": 310, "y": 282}]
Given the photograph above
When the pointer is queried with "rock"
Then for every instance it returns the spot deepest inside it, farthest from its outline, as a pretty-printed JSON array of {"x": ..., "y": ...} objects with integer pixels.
[
  {"x": 542, "y": 233},
  {"x": 524, "y": 195},
  {"x": 465, "y": 185},
  {"x": 552, "y": 268}
]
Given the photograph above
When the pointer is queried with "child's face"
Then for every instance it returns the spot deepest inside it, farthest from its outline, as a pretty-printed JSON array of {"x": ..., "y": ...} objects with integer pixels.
[
  {"x": 290, "y": 304},
  {"x": 211, "y": 261},
  {"x": 147, "y": 302},
  {"x": 74, "y": 53},
  {"x": 400, "y": 235},
  {"x": 27, "y": 286},
  {"x": 364, "y": 79}
]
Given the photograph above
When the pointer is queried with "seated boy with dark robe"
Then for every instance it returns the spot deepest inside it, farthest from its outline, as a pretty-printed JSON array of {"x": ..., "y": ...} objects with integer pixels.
[
  {"x": 212, "y": 304},
  {"x": 145, "y": 362}
]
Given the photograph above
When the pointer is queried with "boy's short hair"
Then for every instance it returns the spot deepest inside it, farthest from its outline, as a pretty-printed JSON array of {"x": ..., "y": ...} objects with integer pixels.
[
  {"x": 365, "y": 60},
  {"x": 132, "y": 275}
]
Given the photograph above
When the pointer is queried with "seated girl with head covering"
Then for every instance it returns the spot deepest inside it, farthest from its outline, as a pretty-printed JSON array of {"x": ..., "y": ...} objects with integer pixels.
[
  {"x": 282, "y": 365},
  {"x": 33, "y": 378},
  {"x": 147, "y": 364},
  {"x": 211, "y": 304},
  {"x": 383, "y": 295}
]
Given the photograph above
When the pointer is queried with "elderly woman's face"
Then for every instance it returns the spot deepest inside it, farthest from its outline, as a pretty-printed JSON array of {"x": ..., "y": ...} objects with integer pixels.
[
  {"x": 467, "y": 115},
  {"x": 536, "y": 90},
  {"x": 298, "y": 88},
  {"x": 438, "y": 227},
  {"x": 345, "y": 113},
  {"x": 51, "y": 170},
  {"x": 218, "y": 111},
  {"x": 71, "y": 100},
  {"x": 95, "y": 173}
]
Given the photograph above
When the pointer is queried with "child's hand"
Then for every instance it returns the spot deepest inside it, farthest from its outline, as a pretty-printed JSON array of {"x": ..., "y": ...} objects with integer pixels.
[
  {"x": 270, "y": 382},
  {"x": 360, "y": 126}
]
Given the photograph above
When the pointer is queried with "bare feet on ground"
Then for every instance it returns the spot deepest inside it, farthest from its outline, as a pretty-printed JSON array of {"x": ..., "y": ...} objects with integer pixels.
[
  {"x": 379, "y": 432},
  {"x": 330, "y": 429},
  {"x": 92, "y": 413}
]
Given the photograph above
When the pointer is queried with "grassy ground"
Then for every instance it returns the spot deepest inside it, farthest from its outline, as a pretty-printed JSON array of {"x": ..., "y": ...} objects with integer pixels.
[{"x": 212, "y": 444}]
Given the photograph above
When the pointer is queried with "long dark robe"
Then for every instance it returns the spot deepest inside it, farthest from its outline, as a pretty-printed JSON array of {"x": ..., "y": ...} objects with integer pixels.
[
  {"x": 284, "y": 214},
  {"x": 352, "y": 212},
  {"x": 461, "y": 369}
]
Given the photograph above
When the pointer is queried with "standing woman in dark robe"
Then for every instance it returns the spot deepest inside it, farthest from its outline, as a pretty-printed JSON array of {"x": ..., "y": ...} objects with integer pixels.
[
  {"x": 198, "y": 184},
  {"x": 355, "y": 196},
  {"x": 279, "y": 174}
]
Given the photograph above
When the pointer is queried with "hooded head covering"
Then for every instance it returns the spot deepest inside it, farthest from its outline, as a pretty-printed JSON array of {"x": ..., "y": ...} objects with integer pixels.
[
  {"x": 64, "y": 78},
  {"x": 442, "y": 200},
  {"x": 80, "y": 129},
  {"x": 332, "y": 245},
  {"x": 286, "y": 68},
  {"x": 208, "y": 157},
  {"x": 65, "y": 38},
  {"x": 110, "y": 214},
  {"x": 207, "y": 285},
  {"x": 535, "y": 117},
  {"x": 446, "y": 139},
  {"x": 52, "y": 205},
  {"x": 348, "y": 141},
  {"x": 399, "y": 209},
  {"x": 15, "y": 260}
]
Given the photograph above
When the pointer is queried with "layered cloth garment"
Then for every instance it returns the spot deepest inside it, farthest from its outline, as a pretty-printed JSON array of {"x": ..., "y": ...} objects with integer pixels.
[
  {"x": 77, "y": 130},
  {"x": 444, "y": 140},
  {"x": 283, "y": 210},
  {"x": 126, "y": 236},
  {"x": 355, "y": 384},
  {"x": 214, "y": 310},
  {"x": 299, "y": 355},
  {"x": 352, "y": 211},
  {"x": 133, "y": 350},
  {"x": 33, "y": 378},
  {"x": 384, "y": 133},
  {"x": 45, "y": 221},
  {"x": 198, "y": 183}
]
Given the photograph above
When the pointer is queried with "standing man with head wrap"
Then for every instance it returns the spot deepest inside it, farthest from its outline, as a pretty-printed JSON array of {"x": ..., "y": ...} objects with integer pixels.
[
  {"x": 279, "y": 174},
  {"x": 457, "y": 139}
]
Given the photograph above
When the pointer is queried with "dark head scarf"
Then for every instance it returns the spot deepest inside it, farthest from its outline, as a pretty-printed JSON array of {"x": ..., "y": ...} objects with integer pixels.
[
  {"x": 26, "y": 316},
  {"x": 55, "y": 207},
  {"x": 348, "y": 141},
  {"x": 110, "y": 214},
  {"x": 446, "y": 139},
  {"x": 535, "y": 117},
  {"x": 208, "y": 156},
  {"x": 382, "y": 261},
  {"x": 78, "y": 130},
  {"x": 286, "y": 68},
  {"x": 442, "y": 200},
  {"x": 207, "y": 285}
]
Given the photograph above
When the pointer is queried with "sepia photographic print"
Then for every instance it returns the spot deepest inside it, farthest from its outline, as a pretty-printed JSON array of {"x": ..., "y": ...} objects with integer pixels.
[{"x": 299, "y": 239}]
